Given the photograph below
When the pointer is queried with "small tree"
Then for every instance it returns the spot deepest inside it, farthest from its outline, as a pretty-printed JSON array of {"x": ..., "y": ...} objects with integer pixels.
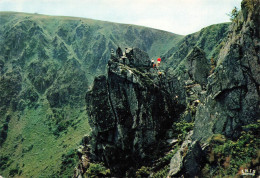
[{"x": 233, "y": 14}]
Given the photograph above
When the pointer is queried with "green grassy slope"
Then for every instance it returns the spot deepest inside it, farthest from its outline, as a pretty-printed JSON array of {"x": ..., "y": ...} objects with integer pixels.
[
  {"x": 33, "y": 150},
  {"x": 210, "y": 39},
  {"x": 46, "y": 66}
]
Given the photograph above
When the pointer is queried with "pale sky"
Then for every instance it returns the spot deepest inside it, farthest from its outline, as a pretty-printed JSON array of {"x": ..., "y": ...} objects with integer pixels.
[{"x": 177, "y": 16}]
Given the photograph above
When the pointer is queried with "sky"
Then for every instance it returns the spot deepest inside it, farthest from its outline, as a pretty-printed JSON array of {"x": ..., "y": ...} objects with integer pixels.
[{"x": 178, "y": 16}]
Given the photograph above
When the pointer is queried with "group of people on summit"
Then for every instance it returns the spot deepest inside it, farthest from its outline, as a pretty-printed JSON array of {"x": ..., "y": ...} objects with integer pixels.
[
  {"x": 158, "y": 63},
  {"x": 156, "y": 66},
  {"x": 128, "y": 52}
]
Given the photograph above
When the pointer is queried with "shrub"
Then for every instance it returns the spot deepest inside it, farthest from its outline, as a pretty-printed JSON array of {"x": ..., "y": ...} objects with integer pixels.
[
  {"x": 162, "y": 172},
  {"x": 3, "y": 133},
  {"x": 143, "y": 172},
  {"x": 249, "y": 4},
  {"x": 182, "y": 128},
  {"x": 69, "y": 161},
  {"x": 226, "y": 156},
  {"x": 4, "y": 162},
  {"x": 97, "y": 170},
  {"x": 218, "y": 138},
  {"x": 233, "y": 14},
  {"x": 13, "y": 172}
]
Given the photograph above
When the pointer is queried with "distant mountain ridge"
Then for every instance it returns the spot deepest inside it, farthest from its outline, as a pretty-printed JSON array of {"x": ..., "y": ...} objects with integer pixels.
[{"x": 89, "y": 40}]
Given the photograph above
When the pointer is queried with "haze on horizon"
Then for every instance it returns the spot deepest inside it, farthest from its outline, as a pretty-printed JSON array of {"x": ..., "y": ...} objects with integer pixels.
[{"x": 177, "y": 16}]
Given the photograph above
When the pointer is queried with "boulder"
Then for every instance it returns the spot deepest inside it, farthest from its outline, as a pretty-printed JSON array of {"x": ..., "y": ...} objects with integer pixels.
[
  {"x": 198, "y": 66},
  {"x": 187, "y": 160}
]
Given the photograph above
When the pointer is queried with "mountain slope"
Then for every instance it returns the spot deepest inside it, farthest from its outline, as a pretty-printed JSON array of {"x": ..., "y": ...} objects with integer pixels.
[
  {"x": 88, "y": 40},
  {"x": 46, "y": 65},
  {"x": 210, "y": 39}
]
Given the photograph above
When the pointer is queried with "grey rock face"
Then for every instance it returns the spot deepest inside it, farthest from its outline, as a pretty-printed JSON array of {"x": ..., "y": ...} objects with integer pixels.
[
  {"x": 192, "y": 73},
  {"x": 129, "y": 110},
  {"x": 190, "y": 79},
  {"x": 233, "y": 95},
  {"x": 197, "y": 65},
  {"x": 187, "y": 160},
  {"x": 232, "y": 99}
]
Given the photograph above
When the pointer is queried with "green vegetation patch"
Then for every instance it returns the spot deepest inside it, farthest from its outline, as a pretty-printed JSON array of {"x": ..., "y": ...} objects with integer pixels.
[
  {"x": 227, "y": 157},
  {"x": 160, "y": 168},
  {"x": 69, "y": 161},
  {"x": 97, "y": 170},
  {"x": 181, "y": 129}
]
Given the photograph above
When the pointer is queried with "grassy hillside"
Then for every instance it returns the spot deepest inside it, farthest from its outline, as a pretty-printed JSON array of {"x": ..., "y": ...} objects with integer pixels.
[
  {"x": 210, "y": 39},
  {"x": 89, "y": 41},
  {"x": 46, "y": 65}
]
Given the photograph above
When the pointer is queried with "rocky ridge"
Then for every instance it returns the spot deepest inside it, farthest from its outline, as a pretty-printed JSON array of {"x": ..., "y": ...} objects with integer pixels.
[
  {"x": 233, "y": 89},
  {"x": 132, "y": 110},
  {"x": 231, "y": 101},
  {"x": 129, "y": 111},
  {"x": 221, "y": 98}
]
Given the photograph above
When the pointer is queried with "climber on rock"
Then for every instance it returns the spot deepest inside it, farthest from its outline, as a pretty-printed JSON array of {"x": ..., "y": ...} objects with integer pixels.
[
  {"x": 119, "y": 52},
  {"x": 152, "y": 61},
  {"x": 124, "y": 60},
  {"x": 160, "y": 74},
  {"x": 196, "y": 102},
  {"x": 158, "y": 61}
]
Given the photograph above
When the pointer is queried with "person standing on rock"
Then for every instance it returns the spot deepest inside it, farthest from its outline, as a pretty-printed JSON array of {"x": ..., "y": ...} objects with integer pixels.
[
  {"x": 124, "y": 59},
  {"x": 158, "y": 61},
  {"x": 152, "y": 63},
  {"x": 119, "y": 52},
  {"x": 160, "y": 74}
]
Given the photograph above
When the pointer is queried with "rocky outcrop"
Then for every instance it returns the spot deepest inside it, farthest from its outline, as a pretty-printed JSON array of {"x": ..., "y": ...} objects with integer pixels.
[
  {"x": 197, "y": 65},
  {"x": 232, "y": 97},
  {"x": 188, "y": 159},
  {"x": 129, "y": 110},
  {"x": 233, "y": 93},
  {"x": 190, "y": 79},
  {"x": 209, "y": 39},
  {"x": 132, "y": 108}
]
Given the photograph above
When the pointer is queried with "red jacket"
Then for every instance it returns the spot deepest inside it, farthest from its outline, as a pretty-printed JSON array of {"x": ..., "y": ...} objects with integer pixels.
[{"x": 159, "y": 59}]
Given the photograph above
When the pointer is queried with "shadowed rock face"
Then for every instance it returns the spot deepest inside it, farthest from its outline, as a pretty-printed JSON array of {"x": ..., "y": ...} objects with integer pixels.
[
  {"x": 233, "y": 93},
  {"x": 232, "y": 99},
  {"x": 197, "y": 64},
  {"x": 129, "y": 110}
]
